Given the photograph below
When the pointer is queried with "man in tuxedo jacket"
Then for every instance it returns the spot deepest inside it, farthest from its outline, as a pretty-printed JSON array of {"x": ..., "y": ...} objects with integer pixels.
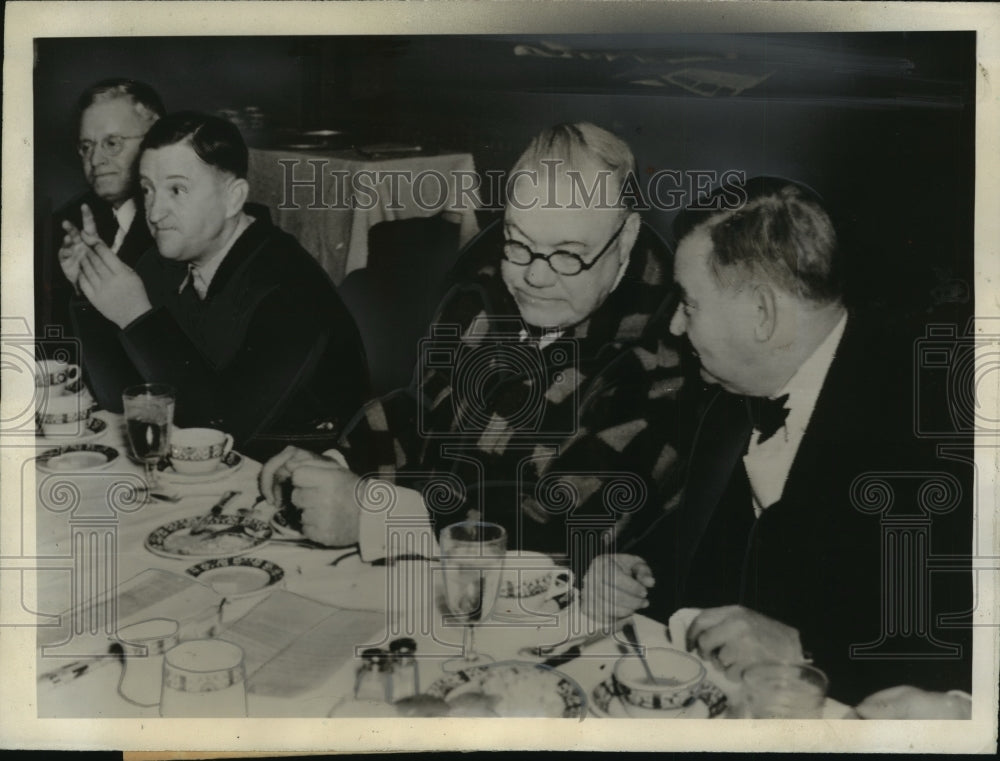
[
  {"x": 112, "y": 117},
  {"x": 806, "y": 400}
]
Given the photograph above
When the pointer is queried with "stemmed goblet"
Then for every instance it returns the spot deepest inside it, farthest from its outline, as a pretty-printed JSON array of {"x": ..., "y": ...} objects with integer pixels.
[
  {"x": 149, "y": 415},
  {"x": 472, "y": 555}
]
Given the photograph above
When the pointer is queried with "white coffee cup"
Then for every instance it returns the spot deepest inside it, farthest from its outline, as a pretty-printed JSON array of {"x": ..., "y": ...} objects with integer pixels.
[
  {"x": 55, "y": 375},
  {"x": 65, "y": 415},
  {"x": 532, "y": 574},
  {"x": 198, "y": 450}
]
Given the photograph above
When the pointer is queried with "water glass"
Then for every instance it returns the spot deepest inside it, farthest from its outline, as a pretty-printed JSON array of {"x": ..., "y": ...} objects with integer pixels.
[
  {"x": 472, "y": 555},
  {"x": 144, "y": 645},
  {"x": 149, "y": 415},
  {"x": 204, "y": 678},
  {"x": 784, "y": 691}
]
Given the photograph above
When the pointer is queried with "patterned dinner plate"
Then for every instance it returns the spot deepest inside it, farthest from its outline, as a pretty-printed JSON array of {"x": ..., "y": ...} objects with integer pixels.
[
  {"x": 76, "y": 458},
  {"x": 229, "y": 464},
  {"x": 224, "y": 536},
  {"x": 711, "y": 703},
  {"x": 512, "y": 689},
  {"x": 94, "y": 428},
  {"x": 237, "y": 576}
]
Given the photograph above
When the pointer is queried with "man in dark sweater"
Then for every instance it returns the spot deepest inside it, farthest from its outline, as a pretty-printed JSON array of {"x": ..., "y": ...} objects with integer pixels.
[
  {"x": 227, "y": 308},
  {"x": 112, "y": 116}
]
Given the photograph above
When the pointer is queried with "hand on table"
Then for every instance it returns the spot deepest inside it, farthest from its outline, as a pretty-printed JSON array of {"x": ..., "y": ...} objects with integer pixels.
[
  {"x": 905, "y": 702},
  {"x": 324, "y": 490},
  {"x": 615, "y": 586},
  {"x": 735, "y": 637},
  {"x": 114, "y": 288}
]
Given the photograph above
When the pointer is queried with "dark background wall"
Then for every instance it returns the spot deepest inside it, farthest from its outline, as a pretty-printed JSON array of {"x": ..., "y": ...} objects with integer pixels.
[{"x": 882, "y": 125}]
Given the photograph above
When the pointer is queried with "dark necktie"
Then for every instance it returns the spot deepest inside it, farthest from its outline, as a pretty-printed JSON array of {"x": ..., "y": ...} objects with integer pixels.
[{"x": 768, "y": 415}]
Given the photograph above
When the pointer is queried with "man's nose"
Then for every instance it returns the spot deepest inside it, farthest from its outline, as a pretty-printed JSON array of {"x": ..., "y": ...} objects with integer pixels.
[
  {"x": 155, "y": 210},
  {"x": 539, "y": 274},
  {"x": 678, "y": 323}
]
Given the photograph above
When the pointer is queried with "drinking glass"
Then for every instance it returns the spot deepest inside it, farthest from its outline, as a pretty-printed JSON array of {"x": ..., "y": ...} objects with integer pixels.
[
  {"x": 204, "y": 678},
  {"x": 784, "y": 691},
  {"x": 472, "y": 554},
  {"x": 149, "y": 414}
]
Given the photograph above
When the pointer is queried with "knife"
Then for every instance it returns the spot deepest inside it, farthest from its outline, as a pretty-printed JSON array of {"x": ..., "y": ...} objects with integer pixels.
[{"x": 564, "y": 657}]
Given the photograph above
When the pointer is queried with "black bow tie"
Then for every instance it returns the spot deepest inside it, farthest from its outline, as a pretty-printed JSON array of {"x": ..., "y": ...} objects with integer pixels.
[{"x": 768, "y": 415}]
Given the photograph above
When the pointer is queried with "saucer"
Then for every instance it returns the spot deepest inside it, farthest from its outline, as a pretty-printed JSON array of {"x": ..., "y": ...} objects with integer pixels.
[
  {"x": 94, "y": 428},
  {"x": 76, "y": 458},
  {"x": 229, "y": 464},
  {"x": 710, "y": 704},
  {"x": 234, "y": 577}
]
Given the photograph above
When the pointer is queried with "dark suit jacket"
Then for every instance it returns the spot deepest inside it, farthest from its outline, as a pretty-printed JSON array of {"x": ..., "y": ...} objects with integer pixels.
[
  {"x": 271, "y": 355},
  {"x": 816, "y": 560},
  {"x": 53, "y": 291}
]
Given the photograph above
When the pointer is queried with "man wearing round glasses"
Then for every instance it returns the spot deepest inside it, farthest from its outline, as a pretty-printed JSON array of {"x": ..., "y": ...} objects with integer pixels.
[
  {"x": 545, "y": 399},
  {"x": 112, "y": 118}
]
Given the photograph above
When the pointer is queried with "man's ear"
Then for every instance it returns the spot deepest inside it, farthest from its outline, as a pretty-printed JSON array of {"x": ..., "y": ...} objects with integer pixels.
[
  {"x": 765, "y": 302},
  {"x": 628, "y": 235},
  {"x": 237, "y": 190}
]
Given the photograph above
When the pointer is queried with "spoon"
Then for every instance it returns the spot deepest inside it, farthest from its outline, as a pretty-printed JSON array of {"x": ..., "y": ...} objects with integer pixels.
[{"x": 633, "y": 639}]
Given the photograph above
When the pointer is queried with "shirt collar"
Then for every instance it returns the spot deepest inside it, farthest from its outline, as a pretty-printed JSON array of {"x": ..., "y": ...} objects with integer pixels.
[
  {"x": 125, "y": 214},
  {"x": 803, "y": 388},
  {"x": 206, "y": 270}
]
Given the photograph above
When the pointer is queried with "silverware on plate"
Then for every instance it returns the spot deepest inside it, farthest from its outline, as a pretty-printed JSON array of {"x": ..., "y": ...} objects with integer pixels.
[{"x": 200, "y": 525}]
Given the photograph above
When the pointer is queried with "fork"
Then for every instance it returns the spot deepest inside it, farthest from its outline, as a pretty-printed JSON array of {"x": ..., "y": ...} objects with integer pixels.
[{"x": 200, "y": 525}]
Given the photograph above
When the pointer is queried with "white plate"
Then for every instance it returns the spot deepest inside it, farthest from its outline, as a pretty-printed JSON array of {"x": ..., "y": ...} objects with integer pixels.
[
  {"x": 95, "y": 428},
  {"x": 322, "y": 133},
  {"x": 228, "y": 465},
  {"x": 513, "y": 683},
  {"x": 711, "y": 704},
  {"x": 174, "y": 539},
  {"x": 238, "y": 576},
  {"x": 76, "y": 458}
]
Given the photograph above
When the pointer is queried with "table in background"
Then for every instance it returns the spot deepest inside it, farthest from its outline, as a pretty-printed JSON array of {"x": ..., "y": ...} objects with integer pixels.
[{"x": 337, "y": 235}]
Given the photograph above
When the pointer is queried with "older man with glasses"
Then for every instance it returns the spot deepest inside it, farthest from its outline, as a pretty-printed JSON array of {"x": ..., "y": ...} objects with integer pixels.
[
  {"x": 545, "y": 399},
  {"x": 112, "y": 118}
]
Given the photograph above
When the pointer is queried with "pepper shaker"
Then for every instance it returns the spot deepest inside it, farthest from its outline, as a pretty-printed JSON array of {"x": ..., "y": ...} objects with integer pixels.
[{"x": 406, "y": 681}]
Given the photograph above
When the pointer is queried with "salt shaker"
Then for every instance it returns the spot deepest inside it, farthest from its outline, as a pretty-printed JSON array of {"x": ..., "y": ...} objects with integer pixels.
[
  {"x": 374, "y": 678},
  {"x": 405, "y": 680}
]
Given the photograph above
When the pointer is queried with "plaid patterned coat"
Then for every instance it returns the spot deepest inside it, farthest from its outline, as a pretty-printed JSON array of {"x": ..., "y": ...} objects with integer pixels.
[{"x": 568, "y": 443}]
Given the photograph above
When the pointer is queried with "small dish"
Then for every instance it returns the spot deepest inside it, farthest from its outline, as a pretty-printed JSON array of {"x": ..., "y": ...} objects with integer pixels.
[
  {"x": 228, "y": 465},
  {"x": 710, "y": 703},
  {"x": 94, "y": 428},
  {"x": 76, "y": 458},
  {"x": 234, "y": 577}
]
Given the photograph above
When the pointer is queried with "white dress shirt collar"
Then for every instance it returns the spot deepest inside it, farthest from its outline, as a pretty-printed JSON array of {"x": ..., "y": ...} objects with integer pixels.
[
  {"x": 769, "y": 463},
  {"x": 125, "y": 216}
]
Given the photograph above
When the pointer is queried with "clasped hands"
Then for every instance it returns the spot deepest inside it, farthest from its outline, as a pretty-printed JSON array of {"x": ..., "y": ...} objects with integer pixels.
[
  {"x": 114, "y": 288},
  {"x": 733, "y": 637},
  {"x": 323, "y": 489}
]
